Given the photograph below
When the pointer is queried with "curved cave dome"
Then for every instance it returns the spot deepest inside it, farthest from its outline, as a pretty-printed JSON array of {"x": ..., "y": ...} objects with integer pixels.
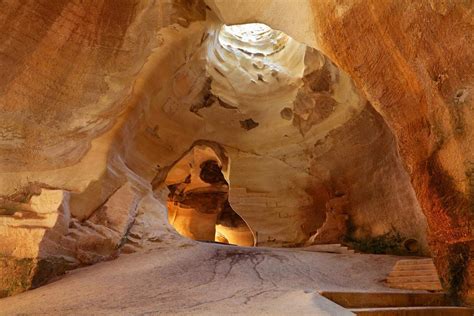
[
  {"x": 252, "y": 63},
  {"x": 253, "y": 38}
]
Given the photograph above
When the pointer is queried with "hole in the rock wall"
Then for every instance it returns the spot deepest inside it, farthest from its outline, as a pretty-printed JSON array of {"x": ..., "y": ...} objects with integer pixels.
[
  {"x": 198, "y": 206},
  {"x": 253, "y": 38},
  {"x": 286, "y": 113},
  {"x": 411, "y": 245},
  {"x": 253, "y": 64},
  {"x": 211, "y": 173},
  {"x": 248, "y": 124}
]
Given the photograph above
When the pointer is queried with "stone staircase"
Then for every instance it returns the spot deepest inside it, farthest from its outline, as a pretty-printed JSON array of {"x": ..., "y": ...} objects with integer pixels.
[
  {"x": 414, "y": 274},
  {"x": 241, "y": 196},
  {"x": 397, "y": 304},
  {"x": 285, "y": 210},
  {"x": 330, "y": 248}
]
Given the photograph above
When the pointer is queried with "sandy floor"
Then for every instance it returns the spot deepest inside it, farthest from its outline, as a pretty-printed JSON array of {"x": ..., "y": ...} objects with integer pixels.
[{"x": 206, "y": 279}]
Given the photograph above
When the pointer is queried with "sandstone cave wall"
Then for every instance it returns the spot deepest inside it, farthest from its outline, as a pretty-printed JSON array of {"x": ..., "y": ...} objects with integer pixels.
[
  {"x": 413, "y": 61},
  {"x": 130, "y": 106}
]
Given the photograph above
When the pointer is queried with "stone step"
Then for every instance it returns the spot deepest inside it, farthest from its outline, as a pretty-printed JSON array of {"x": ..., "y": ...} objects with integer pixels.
[
  {"x": 133, "y": 241},
  {"x": 414, "y": 261},
  {"x": 331, "y": 248},
  {"x": 397, "y": 303},
  {"x": 75, "y": 234},
  {"x": 129, "y": 248},
  {"x": 413, "y": 278},
  {"x": 385, "y": 299},
  {"x": 414, "y": 311},
  {"x": 263, "y": 195},
  {"x": 414, "y": 274},
  {"x": 80, "y": 229},
  {"x": 259, "y": 203},
  {"x": 68, "y": 242},
  {"x": 414, "y": 267},
  {"x": 241, "y": 192},
  {"x": 404, "y": 273},
  {"x": 238, "y": 191},
  {"x": 428, "y": 286}
]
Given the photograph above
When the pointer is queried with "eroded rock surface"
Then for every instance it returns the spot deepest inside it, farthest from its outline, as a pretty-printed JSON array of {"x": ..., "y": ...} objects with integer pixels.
[{"x": 101, "y": 100}]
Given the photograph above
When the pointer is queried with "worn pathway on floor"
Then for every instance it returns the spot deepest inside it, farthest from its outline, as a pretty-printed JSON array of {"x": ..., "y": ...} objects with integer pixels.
[{"x": 207, "y": 279}]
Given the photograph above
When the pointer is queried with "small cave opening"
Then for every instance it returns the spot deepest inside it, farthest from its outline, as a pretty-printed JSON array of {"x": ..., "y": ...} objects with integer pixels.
[
  {"x": 198, "y": 205},
  {"x": 253, "y": 63},
  {"x": 255, "y": 39}
]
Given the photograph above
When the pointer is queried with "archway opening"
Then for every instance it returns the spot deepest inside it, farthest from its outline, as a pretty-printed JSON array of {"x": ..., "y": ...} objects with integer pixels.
[{"x": 198, "y": 205}]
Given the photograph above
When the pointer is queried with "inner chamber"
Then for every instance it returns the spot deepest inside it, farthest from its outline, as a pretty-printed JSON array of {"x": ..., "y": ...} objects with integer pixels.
[
  {"x": 198, "y": 205},
  {"x": 301, "y": 159},
  {"x": 248, "y": 65}
]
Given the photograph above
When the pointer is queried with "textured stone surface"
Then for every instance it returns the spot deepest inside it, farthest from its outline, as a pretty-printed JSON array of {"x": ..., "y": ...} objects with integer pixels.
[
  {"x": 335, "y": 226},
  {"x": 371, "y": 100},
  {"x": 206, "y": 279},
  {"x": 418, "y": 95},
  {"x": 418, "y": 76}
]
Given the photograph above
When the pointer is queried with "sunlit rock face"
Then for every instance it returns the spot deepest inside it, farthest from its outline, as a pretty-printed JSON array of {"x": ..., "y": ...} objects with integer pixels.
[
  {"x": 325, "y": 120},
  {"x": 68, "y": 87},
  {"x": 419, "y": 77},
  {"x": 72, "y": 75},
  {"x": 424, "y": 99},
  {"x": 252, "y": 64},
  {"x": 315, "y": 107}
]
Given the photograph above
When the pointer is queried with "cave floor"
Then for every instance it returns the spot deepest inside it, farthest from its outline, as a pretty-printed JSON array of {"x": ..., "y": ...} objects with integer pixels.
[{"x": 207, "y": 279}]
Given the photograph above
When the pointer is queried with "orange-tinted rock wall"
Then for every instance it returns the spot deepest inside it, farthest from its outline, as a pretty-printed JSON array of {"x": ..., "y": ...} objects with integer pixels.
[{"x": 414, "y": 61}]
